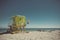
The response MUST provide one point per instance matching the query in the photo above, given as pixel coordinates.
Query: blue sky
(41, 13)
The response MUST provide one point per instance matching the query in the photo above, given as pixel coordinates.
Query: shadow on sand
(4, 33)
(10, 33)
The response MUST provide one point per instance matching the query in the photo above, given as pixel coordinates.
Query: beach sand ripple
(34, 35)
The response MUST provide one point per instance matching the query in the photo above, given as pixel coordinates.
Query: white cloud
(5, 25)
(43, 26)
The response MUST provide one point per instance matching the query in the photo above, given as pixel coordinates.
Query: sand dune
(34, 35)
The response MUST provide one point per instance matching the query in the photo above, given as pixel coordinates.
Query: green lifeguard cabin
(18, 23)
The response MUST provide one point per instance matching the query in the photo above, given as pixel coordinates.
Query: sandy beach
(32, 35)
